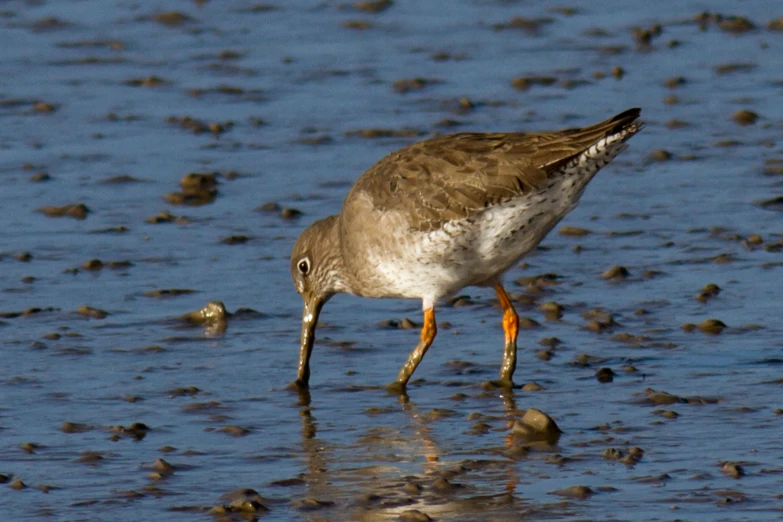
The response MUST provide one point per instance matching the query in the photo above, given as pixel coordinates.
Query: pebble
(373, 6)
(660, 155)
(605, 375)
(75, 427)
(732, 469)
(413, 84)
(172, 18)
(615, 272)
(93, 313)
(414, 515)
(745, 117)
(536, 426)
(74, 210)
(711, 326)
(525, 83)
(736, 25)
(579, 492)
(17, 485)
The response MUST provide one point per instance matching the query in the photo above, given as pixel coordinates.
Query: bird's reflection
(398, 466)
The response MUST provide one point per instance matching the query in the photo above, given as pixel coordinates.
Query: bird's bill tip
(312, 308)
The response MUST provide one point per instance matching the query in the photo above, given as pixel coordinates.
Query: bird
(446, 213)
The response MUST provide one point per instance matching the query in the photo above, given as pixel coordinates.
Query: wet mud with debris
(157, 166)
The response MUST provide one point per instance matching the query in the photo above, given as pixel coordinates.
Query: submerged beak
(312, 308)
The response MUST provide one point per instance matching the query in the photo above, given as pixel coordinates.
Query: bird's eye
(303, 266)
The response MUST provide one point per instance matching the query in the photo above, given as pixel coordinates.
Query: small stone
(711, 288)
(677, 124)
(169, 292)
(736, 25)
(550, 342)
(414, 515)
(165, 217)
(30, 447)
(711, 326)
(776, 24)
(268, 207)
(574, 231)
(730, 68)
(44, 107)
(732, 469)
(618, 72)
(526, 323)
(290, 213)
(525, 83)
(662, 398)
(660, 155)
(93, 264)
(90, 457)
(289, 482)
(93, 313)
(357, 24)
(545, 355)
(234, 431)
(407, 324)
(241, 494)
(708, 292)
(235, 240)
(310, 504)
(412, 488)
(601, 323)
(605, 375)
(553, 311)
(243, 505)
(172, 18)
(612, 454)
(163, 466)
(580, 492)
(413, 84)
(745, 117)
(75, 210)
(443, 485)
(40, 177)
(17, 485)
(74, 427)
(677, 81)
(536, 426)
(615, 272)
(373, 6)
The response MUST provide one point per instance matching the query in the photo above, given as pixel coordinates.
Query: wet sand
(157, 167)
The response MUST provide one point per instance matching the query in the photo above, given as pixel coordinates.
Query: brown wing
(456, 176)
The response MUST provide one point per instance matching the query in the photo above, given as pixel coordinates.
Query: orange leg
(511, 329)
(428, 332)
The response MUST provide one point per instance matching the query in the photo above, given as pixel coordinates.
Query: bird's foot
(297, 386)
(507, 384)
(396, 388)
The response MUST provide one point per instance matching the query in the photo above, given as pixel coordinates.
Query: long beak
(312, 309)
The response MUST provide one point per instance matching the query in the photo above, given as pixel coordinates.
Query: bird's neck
(339, 278)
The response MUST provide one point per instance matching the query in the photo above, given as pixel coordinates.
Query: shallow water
(306, 82)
